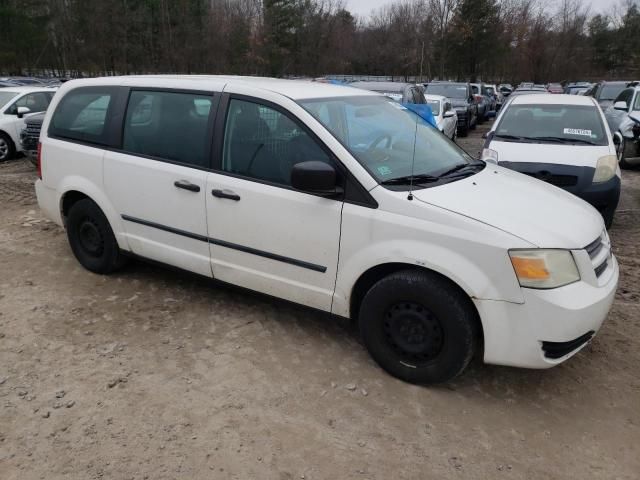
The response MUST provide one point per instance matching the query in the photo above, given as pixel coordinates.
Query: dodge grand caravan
(335, 198)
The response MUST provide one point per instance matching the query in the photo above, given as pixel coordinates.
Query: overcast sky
(364, 7)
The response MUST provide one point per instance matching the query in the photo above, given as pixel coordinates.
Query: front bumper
(538, 332)
(577, 180)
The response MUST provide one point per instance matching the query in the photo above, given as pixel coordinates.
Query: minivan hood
(541, 214)
(576, 155)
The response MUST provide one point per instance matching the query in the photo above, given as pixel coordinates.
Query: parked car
(30, 136)
(481, 101)
(462, 100)
(555, 88)
(562, 140)
(575, 88)
(621, 120)
(261, 182)
(407, 94)
(493, 91)
(444, 114)
(505, 89)
(15, 104)
(606, 92)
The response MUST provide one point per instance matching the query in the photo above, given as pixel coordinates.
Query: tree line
(510, 40)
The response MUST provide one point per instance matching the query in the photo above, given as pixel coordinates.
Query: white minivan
(335, 198)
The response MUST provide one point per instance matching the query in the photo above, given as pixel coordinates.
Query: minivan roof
(294, 89)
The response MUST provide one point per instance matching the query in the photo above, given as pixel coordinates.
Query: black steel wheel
(419, 326)
(91, 238)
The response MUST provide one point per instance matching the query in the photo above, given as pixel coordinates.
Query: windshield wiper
(509, 137)
(409, 179)
(460, 166)
(562, 140)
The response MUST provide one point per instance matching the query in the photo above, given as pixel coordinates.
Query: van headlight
(544, 268)
(605, 169)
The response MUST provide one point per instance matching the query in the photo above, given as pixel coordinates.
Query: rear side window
(83, 115)
(168, 125)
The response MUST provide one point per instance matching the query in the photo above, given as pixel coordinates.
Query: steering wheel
(379, 140)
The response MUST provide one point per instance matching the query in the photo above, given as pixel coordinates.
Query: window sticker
(577, 131)
(384, 170)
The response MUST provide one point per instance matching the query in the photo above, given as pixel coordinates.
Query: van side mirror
(620, 106)
(449, 114)
(22, 111)
(315, 177)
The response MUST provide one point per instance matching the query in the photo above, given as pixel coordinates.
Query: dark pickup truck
(30, 136)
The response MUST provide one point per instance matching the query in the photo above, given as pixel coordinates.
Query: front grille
(557, 180)
(599, 252)
(30, 136)
(555, 350)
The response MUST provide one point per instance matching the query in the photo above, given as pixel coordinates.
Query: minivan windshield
(451, 90)
(383, 136)
(562, 124)
(5, 97)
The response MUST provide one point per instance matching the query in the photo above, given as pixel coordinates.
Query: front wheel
(620, 154)
(418, 327)
(7, 148)
(91, 238)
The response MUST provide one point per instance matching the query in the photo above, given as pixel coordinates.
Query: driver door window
(263, 143)
(35, 102)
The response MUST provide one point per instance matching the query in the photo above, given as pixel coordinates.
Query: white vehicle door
(157, 180)
(13, 124)
(265, 235)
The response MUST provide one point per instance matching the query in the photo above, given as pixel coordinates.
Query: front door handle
(185, 185)
(225, 194)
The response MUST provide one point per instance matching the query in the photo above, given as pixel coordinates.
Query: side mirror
(22, 111)
(620, 106)
(315, 177)
(449, 114)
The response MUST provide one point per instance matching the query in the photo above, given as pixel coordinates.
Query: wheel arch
(378, 272)
(74, 193)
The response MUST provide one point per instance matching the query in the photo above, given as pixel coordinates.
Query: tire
(464, 129)
(91, 238)
(7, 148)
(418, 327)
(620, 154)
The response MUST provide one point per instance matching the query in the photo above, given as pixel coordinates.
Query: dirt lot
(153, 374)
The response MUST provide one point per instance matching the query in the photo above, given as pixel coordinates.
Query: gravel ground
(155, 374)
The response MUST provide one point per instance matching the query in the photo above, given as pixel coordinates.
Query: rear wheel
(418, 327)
(7, 148)
(91, 238)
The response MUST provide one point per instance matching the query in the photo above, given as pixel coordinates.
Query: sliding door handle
(225, 194)
(185, 185)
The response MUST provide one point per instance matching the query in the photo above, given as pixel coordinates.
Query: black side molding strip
(159, 226)
(234, 246)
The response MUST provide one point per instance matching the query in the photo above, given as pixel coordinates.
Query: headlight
(544, 268)
(489, 155)
(605, 168)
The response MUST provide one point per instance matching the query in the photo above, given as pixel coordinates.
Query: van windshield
(562, 124)
(383, 136)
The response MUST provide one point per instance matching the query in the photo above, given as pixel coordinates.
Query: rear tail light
(478, 98)
(39, 160)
